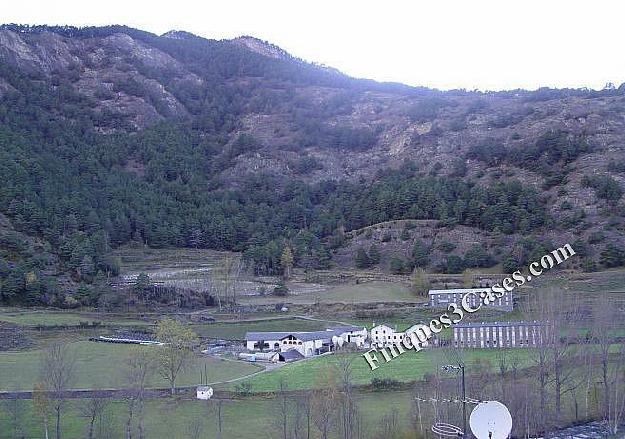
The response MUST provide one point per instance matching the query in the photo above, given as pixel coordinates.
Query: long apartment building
(442, 298)
(499, 334)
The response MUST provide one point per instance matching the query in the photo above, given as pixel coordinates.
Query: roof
(459, 290)
(316, 335)
(263, 336)
(497, 324)
(293, 354)
(346, 328)
(203, 388)
(384, 324)
(304, 336)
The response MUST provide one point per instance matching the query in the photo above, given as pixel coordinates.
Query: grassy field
(410, 366)
(29, 317)
(171, 419)
(574, 282)
(348, 293)
(100, 365)
(237, 330)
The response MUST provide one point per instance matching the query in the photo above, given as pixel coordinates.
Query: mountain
(112, 135)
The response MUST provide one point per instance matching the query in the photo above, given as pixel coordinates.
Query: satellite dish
(491, 420)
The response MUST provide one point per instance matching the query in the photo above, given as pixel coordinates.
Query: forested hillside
(110, 136)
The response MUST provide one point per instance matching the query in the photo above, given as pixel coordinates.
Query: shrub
(454, 265)
(281, 289)
(477, 257)
(374, 255)
(362, 259)
(446, 246)
(612, 256)
(420, 254)
(419, 282)
(596, 237)
(605, 187)
(398, 265)
(379, 384)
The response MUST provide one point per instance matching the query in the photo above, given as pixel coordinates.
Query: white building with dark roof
(440, 299)
(307, 344)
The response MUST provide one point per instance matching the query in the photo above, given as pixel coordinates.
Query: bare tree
(283, 409)
(92, 409)
(604, 318)
(14, 408)
(388, 427)
(503, 363)
(57, 372)
(301, 416)
(349, 410)
(323, 402)
(41, 403)
(139, 369)
(563, 350)
(229, 272)
(194, 428)
(543, 308)
(219, 418)
(616, 398)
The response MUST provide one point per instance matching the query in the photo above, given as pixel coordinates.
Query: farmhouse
(442, 298)
(499, 334)
(385, 336)
(351, 334)
(307, 344)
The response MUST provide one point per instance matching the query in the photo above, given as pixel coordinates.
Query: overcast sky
(489, 45)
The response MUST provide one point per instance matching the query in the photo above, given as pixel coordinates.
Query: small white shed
(204, 392)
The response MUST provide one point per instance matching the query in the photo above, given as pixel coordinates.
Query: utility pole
(460, 367)
(464, 403)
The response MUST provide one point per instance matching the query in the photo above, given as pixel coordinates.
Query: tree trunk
(58, 422)
(219, 420)
(129, 420)
(91, 423)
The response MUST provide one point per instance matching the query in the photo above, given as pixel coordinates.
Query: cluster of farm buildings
(295, 345)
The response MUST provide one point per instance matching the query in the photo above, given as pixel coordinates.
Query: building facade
(383, 336)
(442, 298)
(499, 335)
(351, 334)
(307, 344)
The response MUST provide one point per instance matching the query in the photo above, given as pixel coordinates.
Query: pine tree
(286, 261)
(419, 254)
(362, 259)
